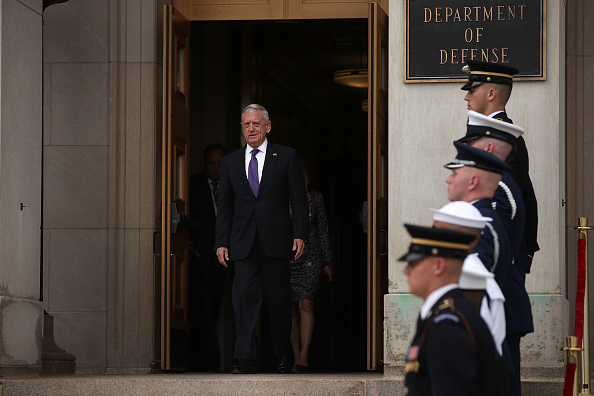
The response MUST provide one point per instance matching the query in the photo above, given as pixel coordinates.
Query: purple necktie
(253, 173)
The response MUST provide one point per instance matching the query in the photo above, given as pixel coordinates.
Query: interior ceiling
(303, 55)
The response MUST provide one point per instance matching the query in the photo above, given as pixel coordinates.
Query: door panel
(233, 10)
(377, 189)
(330, 9)
(230, 10)
(175, 232)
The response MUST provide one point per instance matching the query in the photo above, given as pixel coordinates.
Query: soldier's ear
(473, 182)
(439, 265)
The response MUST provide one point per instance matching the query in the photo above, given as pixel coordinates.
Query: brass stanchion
(583, 234)
(573, 350)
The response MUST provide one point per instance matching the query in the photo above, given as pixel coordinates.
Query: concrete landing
(364, 384)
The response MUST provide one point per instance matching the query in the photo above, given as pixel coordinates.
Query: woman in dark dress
(305, 278)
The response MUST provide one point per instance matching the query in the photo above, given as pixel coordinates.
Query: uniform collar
(433, 298)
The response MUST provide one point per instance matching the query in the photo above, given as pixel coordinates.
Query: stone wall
(20, 186)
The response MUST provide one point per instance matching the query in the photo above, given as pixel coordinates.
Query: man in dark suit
(452, 352)
(207, 276)
(489, 88)
(255, 231)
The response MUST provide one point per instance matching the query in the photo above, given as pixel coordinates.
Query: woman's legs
(306, 311)
(295, 334)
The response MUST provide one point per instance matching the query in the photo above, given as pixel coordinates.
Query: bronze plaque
(440, 36)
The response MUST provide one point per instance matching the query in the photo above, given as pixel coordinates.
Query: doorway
(288, 67)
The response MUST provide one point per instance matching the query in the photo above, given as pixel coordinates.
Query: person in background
(207, 276)
(305, 277)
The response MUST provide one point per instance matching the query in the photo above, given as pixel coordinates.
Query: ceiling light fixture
(351, 77)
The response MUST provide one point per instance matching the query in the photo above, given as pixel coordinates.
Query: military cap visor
(482, 72)
(476, 158)
(480, 125)
(436, 242)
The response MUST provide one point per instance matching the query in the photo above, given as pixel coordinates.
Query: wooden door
(377, 185)
(251, 10)
(175, 232)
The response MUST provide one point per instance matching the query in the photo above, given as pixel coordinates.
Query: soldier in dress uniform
(452, 352)
(498, 137)
(464, 217)
(489, 87)
(474, 178)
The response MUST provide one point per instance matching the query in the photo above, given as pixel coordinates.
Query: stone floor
(364, 384)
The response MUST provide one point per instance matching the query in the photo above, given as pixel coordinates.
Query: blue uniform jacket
(509, 204)
(493, 246)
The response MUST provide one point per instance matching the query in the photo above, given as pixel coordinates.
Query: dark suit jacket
(241, 214)
(203, 216)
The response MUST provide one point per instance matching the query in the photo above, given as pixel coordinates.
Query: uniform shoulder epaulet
(446, 311)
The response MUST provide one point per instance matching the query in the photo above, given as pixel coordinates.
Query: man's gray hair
(255, 107)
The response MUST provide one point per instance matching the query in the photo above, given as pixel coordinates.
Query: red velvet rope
(569, 377)
(581, 290)
(579, 313)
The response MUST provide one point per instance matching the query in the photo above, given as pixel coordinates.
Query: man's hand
(223, 256)
(298, 247)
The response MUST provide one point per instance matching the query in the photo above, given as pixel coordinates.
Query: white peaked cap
(461, 213)
(474, 274)
(481, 120)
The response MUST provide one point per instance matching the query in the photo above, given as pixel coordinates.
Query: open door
(377, 185)
(174, 196)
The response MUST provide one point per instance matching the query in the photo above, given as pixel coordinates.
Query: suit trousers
(207, 287)
(259, 277)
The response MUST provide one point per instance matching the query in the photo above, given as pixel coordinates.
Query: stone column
(135, 123)
(20, 186)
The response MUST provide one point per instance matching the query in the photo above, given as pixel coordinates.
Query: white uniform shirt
(494, 315)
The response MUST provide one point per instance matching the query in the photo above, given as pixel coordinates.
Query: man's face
(254, 128)
(418, 275)
(477, 98)
(212, 164)
(458, 182)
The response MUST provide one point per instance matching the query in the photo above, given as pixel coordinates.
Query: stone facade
(20, 186)
(98, 77)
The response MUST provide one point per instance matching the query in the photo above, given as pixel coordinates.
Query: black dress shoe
(245, 366)
(284, 365)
